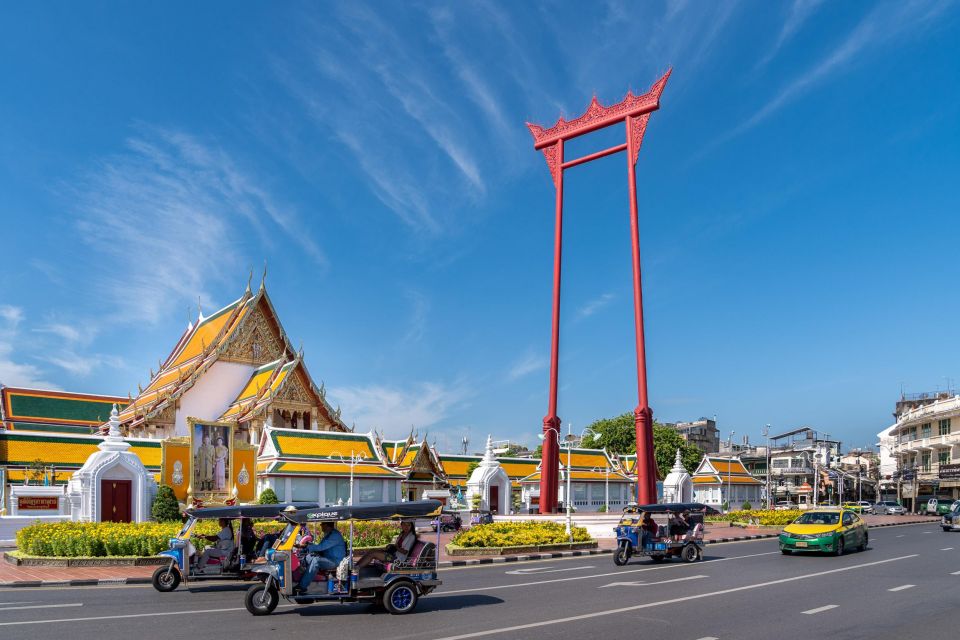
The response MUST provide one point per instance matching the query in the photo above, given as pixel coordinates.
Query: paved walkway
(12, 575)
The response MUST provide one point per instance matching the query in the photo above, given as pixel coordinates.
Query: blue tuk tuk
(662, 543)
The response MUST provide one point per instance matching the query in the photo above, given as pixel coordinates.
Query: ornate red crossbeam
(635, 111)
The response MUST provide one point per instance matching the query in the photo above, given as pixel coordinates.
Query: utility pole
(766, 434)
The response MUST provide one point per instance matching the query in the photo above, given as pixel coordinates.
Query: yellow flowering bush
(518, 534)
(762, 516)
(99, 539)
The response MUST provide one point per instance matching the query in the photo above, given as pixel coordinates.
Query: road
(905, 585)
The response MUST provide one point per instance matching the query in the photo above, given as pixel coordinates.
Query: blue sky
(798, 196)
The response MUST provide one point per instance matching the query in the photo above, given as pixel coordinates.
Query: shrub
(475, 501)
(517, 534)
(761, 516)
(165, 506)
(268, 496)
(746, 506)
(602, 509)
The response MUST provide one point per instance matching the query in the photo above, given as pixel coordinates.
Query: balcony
(792, 471)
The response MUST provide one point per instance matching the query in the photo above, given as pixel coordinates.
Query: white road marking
(42, 606)
(955, 573)
(902, 587)
(133, 615)
(539, 570)
(649, 584)
(900, 536)
(598, 575)
(708, 638)
(24, 602)
(810, 612)
(648, 605)
(926, 532)
(947, 549)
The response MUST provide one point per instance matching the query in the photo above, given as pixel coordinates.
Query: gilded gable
(257, 342)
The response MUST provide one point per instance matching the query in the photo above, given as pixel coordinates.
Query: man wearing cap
(326, 555)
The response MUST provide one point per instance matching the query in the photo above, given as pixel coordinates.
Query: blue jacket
(333, 547)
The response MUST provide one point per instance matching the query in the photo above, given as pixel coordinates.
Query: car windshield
(818, 518)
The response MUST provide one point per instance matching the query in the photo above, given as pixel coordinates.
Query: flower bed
(762, 517)
(104, 539)
(518, 534)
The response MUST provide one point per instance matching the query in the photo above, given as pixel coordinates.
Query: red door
(494, 499)
(115, 500)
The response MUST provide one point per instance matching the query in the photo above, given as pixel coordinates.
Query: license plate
(801, 543)
(660, 546)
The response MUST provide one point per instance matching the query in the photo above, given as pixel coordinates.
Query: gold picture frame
(211, 460)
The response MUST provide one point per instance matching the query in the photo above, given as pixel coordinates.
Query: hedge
(761, 516)
(100, 539)
(518, 534)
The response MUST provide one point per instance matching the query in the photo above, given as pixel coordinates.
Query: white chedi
(491, 482)
(113, 461)
(678, 485)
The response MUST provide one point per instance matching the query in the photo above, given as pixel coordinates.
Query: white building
(725, 480)
(926, 445)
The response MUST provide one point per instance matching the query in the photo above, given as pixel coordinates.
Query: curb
(85, 582)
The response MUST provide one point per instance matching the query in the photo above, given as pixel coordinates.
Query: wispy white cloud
(419, 309)
(82, 365)
(13, 373)
(595, 305)
(527, 364)
(164, 217)
(394, 410)
(886, 23)
(800, 11)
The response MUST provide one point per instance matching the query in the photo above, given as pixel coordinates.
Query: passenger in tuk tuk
(249, 541)
(650, 529)
(398, 551)
(680, 525)
(223, 545)
(326, 554)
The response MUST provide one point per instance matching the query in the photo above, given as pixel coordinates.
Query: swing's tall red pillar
(635, 112)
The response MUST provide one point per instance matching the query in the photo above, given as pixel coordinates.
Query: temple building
(230, 412)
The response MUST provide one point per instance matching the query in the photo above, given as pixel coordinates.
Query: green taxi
(825, 530)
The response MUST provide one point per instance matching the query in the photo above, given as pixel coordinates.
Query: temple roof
(297, 452)
(455, 467)
(218, 337)
(54, 411)
(722, 470)
(21, 449)
(583, 475)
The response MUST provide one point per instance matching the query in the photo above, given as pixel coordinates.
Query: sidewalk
(14, 576)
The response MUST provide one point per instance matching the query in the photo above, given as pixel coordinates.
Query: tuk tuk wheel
(689, 553)
(400, 598)
(166, 579)
(260, 600)
(622, 555)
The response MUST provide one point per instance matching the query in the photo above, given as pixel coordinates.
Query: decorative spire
(249, 280)
(263, 278)
(488, 454)
(114, 440)
(678, 465)
(199, 309)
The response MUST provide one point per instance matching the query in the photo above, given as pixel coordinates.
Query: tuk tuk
(396, 586)
(661, 544)
(235, 565)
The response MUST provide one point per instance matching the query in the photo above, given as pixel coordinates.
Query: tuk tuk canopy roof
(672, 507)
(248, 510)
(370, 511)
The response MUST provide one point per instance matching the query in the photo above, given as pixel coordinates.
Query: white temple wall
(212, 394)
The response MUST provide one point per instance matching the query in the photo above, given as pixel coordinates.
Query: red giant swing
(635, 112)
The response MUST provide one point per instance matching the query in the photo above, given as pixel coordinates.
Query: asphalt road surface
(905, 585)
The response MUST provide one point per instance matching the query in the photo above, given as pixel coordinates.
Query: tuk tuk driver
(223, 546)
(649, 528)
(326, 554)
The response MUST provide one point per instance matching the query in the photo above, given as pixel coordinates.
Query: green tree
(471, 468)
(617, 435)
(268, 496)
(165, 506)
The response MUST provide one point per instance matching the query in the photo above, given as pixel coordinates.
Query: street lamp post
(556, 434)
(730, 464)
(606, 487)
(766, 434)
(354, 459)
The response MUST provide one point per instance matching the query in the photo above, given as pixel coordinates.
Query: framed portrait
(211, 458)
